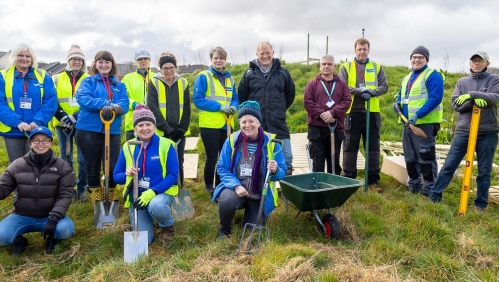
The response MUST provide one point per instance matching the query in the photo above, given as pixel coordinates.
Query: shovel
(135, 242)
(228, 120)
(416, 130)
(106, 212)
(470, 153)
(182, 207)
(259, 220)
(366, 146)
(333, 152)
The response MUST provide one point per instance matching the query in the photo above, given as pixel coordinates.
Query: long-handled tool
(416, 130)
(228, 121)
(470, 154)
(135, 242)
(333, 152)
(258, 226)
(182, 207)
(68, 136)
(106, 212)
(366, 146)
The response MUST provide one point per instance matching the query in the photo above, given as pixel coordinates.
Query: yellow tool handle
(470, 154)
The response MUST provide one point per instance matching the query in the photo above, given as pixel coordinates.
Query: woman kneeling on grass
(45, 190)
(157, 172)
(242, 167)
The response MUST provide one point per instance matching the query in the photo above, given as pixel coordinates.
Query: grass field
(394, 236)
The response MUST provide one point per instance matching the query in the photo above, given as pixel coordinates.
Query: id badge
(406, 101)
(25, 103)
(144, 183)
(362, 85)
(246, 170)
(73, 103)
(330, 103)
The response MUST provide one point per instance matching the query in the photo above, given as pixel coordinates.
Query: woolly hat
(40, 130)
(250, 108)
(481, 54)
(421, 50)
(142, 54)
(76, 52)
(167, 59)
(142, 113)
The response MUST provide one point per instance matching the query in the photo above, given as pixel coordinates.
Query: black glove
(366, 95)
(118, 110)
(176, 135)
(107, 112)
(49, 229)
(68, 122)
(372, 92)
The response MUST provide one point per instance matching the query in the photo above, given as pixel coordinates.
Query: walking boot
(166, 235)
(19, 245)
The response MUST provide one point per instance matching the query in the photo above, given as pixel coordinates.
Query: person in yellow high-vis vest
(169, 100)
(216, 98)
(136, 85)
(66, 116)
(367, 81)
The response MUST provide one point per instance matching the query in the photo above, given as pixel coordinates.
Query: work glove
(372, 92)
(233, 110)
(413, 119)
(68, 122)
(107, 112)
(463, 98)
(225, 109)
(366, 95)
(49, 229)
(176, 134)
(144, 199)
(481, 103)
(118, 110)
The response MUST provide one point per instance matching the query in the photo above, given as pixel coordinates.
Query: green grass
(394, 236)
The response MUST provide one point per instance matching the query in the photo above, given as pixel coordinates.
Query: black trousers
(213, 140)
(320, 148)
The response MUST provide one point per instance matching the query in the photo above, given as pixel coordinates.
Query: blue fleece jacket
(42, 109)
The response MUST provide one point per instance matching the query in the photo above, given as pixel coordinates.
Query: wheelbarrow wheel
(332, 226)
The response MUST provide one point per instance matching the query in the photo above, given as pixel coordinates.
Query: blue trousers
(14, 225)
(486, 145)
(81, 181)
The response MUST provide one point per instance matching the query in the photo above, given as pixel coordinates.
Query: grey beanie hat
(421, 50)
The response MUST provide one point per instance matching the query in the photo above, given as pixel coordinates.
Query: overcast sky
(453, 29)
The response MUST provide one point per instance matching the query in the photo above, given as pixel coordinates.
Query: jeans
(14, 225)
(486, 145)
(355, 128)
(81, 181)
(320, 148)
(288, 154)
(229, 202)
(16, 148)
(92, 147)
(213, 140)
(158, 209)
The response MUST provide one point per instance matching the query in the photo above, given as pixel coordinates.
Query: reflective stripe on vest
(371, 82)
(136, 87)
(418, 97)
(164, 147)
(270, 149)
(216, 92)
(182, 84)
(8, 76)
(64, 88)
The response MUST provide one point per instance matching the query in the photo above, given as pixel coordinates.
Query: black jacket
(275, 93)
(41, 193)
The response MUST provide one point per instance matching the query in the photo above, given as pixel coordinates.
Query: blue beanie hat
(42, 130)
(250, 108)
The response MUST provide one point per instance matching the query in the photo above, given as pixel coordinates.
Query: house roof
(192, 68)
(2, 54)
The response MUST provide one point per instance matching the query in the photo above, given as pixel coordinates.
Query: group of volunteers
(156, 108)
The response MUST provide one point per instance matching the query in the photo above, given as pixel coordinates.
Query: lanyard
(332, 89)
(73, 84)
(409, 85)
(146, 80)
(144, 164)
(25, 85)
(108, 88)
(360, 73)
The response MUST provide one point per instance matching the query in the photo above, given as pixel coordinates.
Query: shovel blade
(105, 213)
(136, 245)
(182, 207)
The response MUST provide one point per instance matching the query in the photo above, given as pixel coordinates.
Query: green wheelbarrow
(318, 191)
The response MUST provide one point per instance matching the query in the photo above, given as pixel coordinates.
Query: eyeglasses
(76, 60)
(44, 141)
(168, 69)
(418, 58)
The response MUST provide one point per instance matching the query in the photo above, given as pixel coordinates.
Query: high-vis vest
(216, 92)
(164, 147)
(136, 85)
(371, 82)
(418, 96)
(182, 84)
(64, 89)
(8, 76)
(270, 149)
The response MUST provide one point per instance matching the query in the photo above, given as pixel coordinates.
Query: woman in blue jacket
(157, 172)
(216, 98)
(27, 100)
(246, 156)
(101, 91)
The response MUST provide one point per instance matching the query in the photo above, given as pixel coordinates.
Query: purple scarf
(255, 177)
